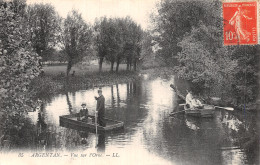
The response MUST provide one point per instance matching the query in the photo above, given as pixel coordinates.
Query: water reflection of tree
(132, 110)
(20, 135)
(68, 102)
(132, 102)
(27, 135)
(70, 139)
(118, 96)
(175, 139)
(134, 92)
(135, 97)
(41, 126)
(113, 101)
(244, 133)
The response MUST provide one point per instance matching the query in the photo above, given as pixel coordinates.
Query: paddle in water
(226, 108)
(174, 113)
(96, 127)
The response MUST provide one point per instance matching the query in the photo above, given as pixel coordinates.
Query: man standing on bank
(100, 108)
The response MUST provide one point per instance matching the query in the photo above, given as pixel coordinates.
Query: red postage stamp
(240, 23)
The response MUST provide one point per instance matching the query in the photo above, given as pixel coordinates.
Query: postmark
(240, 23)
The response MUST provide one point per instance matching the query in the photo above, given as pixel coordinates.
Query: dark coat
(101, 105)
(101, 110)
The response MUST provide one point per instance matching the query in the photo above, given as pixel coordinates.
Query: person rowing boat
(192, 102)
(197, 102)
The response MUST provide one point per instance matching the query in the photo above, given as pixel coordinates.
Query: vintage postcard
(129, 82)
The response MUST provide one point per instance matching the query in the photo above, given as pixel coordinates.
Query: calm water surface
(150, 136)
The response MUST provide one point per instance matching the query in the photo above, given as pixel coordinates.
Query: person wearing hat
(192, 102)
(83, 113)
(100, 108)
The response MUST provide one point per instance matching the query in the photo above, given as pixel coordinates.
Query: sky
(138, 10)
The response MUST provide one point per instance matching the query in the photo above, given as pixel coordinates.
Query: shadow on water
(69, 102)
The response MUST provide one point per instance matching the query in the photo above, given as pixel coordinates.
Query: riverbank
(46, 85)
(78, 69)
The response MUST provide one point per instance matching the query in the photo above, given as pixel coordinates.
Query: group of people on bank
(100, 111)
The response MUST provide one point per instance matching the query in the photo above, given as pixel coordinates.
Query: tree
(147, 56)
(245, 86)
(76, 39)
(132, 42)
(137, 38)
(118, 39)
(113, 35)
(205, 62)
(44, 24)
(101, 40)
(175, 18)
(18, 61)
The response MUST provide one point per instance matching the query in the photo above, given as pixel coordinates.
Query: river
(150, 135)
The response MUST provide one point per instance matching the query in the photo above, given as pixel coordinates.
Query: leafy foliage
(117, 40)
(204, 62)
(147, 56)
(175, 18)
(246, 87)
(45, 28)
(77, 37)
(18, 61)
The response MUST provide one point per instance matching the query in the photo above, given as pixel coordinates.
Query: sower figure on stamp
(236, 20)
(100, 109)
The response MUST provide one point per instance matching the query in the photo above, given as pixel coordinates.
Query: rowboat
(71, 120)
(206, 111)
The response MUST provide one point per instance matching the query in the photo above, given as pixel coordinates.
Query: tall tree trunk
(127, 91)
(112, 66)
(100, 63)
(135, 65)
(71, 50)
(117, 64)
(69, 66)
(130, 65)
(112, 97)
(118, 96)
(127, 66)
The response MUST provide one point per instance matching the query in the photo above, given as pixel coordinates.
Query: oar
(226, 108)
(96, 127)
(179, 112)
(177, 92)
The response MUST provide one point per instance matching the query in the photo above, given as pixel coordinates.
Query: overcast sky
(138, 10)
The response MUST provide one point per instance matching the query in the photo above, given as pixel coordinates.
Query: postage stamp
(240, 23)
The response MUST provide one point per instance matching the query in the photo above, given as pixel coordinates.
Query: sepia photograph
(129, 82)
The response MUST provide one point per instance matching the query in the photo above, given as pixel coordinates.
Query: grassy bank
(54, 80)
(80, 70)
(96, 79)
